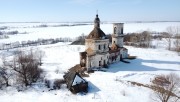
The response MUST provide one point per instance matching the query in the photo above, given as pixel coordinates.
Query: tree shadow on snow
(138, 65)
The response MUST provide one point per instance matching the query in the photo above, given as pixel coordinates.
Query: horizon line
(86, 21)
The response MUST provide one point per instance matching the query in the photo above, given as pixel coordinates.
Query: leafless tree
(166, 88)
(26, 67)
(177, 39)
(168, 36)
(147, 38)
(5, 72)
(5, 75)
(39, 55)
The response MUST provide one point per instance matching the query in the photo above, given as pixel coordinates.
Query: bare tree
(166, 88)
(5, 72)
(177, 45)
(168, 36)
(173, 35)
(177, 39)
(26, 67)
(147, 38)
(39, 55)
(5, 75)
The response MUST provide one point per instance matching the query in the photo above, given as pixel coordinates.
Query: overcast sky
(85, 10)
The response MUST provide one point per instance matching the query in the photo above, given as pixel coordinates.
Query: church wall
(125, 54)
(99, 60)
(118, 41)
(114, 57)
(121, 43)
(118, 28)
(117, 36)
(82, 59)
(97, 45)
(89, 43)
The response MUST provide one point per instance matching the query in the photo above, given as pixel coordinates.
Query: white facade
(117, 36)
(96, 61)
(100, 53)
(98, 46)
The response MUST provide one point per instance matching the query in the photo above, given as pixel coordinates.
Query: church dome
(97, 33)
(96, 19)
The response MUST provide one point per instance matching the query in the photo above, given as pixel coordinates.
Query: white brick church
(99, 51)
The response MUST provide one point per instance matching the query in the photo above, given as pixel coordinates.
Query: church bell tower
(118, 36)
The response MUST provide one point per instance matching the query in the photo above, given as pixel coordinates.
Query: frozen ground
(103, 86)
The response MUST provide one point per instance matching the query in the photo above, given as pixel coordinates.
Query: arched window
(99, 47)
(121, 30)
(99, 63)
(104, 46)
(115, 30)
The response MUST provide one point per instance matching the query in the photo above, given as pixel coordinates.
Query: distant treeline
(7, 46)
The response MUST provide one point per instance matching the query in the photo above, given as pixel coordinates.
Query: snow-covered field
(103, 86)
(34, 32)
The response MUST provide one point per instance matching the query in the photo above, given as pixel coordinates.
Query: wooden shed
(75, 83)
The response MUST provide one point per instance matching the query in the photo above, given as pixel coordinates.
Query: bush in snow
(3, 28)
(57, 83)
(57, 71)
(12, 32)
(1, 82)
(1, 33)
(47, 83)
(123, 92)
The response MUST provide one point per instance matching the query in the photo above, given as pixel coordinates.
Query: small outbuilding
(75, 83)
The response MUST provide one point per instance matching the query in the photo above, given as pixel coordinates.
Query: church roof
(96, 33)
(69, 77)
